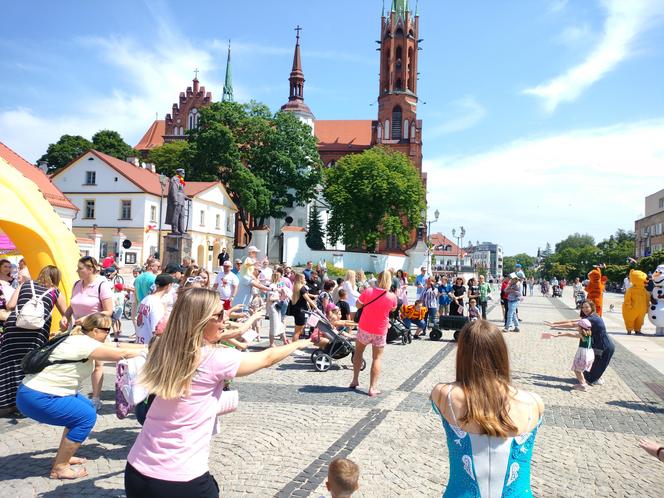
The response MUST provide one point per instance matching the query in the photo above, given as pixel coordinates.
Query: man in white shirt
(226, 284)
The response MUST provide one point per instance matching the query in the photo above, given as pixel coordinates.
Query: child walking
(473, 310)
(584, 357)
(119, 298)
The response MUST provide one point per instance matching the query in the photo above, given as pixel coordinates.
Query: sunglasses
(218, 316)
(191, 280)
(104, 329)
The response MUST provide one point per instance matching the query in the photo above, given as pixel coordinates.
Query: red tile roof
(195, 188)
(333, 134)
(438, 239)
(154, 137)
(293, 229)
(143, 178)
(51, 193)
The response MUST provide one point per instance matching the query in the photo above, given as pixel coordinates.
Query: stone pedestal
(259, 238)
(176, 247)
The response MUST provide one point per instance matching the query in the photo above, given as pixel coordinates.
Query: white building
(118, 201)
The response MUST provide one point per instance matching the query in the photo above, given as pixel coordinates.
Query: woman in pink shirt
(376, 303)
(91, 294)
(187, 370)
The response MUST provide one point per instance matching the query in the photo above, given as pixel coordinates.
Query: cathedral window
(387, 129)
(411, 74)
(398, 85)
(193, 118)
(406, 128)
(396, 123)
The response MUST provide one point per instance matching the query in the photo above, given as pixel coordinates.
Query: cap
(584, 323)
(164, 279)
(227, 263)
(331, 307)
(513, 275)
(252, 249)
(119, 286)
(238, 261)
(179, 170)
(173, 268)
(518, 265)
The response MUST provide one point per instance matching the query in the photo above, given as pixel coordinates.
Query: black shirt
(599, 336)
(222, 257)
(345, 309)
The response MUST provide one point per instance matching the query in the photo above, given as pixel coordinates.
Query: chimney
(151, 167)
(43, 165)
(133, 160)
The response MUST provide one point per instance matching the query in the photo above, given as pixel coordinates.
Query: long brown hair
(49, 276)
(299, 283)
(483, 371)
(174, 358)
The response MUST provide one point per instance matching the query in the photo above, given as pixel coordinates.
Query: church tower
(295, 102)
(397, 125)
(227, 95)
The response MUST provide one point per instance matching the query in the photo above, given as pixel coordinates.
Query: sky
(540, 118)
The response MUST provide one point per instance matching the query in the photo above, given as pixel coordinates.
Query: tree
(315, 232)
(110, 142)
(64, 151)
(373, 195)
(171, 156)
(575, 241)
(267, 162)
(526, 261)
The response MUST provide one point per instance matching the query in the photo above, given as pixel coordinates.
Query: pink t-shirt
(375, 316)
(174, 443)
(85, 301)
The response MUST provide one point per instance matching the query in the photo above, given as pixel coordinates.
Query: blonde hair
(343, 477)
(361, 276)
(385, 280)
(173, 360)
(350, 277)
(90, 262)
(248, 267)
(49, 276)
(91, 322)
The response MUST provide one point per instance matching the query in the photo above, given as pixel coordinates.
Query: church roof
(346, 134)
(195, 188)
(154, 137)
(51, 193)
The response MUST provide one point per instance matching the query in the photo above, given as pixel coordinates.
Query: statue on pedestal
(176, 207)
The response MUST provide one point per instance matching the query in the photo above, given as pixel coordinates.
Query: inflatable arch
(36, 230)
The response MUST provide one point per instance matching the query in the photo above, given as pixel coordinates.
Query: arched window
(380, 132)
(412, 130)
(396, 123)
(410, 82)
(386, 130)
(398, 56)
(398, 85)
(399, 31)
(406, 129)
(193, 118)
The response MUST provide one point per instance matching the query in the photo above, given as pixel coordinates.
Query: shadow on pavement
(312, 389)
(85, 487)
(635, 405)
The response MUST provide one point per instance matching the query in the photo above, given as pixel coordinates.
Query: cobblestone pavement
(292, 421)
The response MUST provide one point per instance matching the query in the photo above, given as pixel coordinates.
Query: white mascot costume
(656, 312)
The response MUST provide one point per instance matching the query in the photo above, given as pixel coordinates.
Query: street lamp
(436, 214)
(459, 239)
(163, 180)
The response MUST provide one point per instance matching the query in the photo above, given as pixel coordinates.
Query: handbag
(358, 313)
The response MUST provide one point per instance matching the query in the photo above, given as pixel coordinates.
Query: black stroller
(557, 291)
(398, 332)
(338, 347)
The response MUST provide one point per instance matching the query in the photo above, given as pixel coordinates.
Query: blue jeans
(75, 412)
(511, 314)
(420, 324)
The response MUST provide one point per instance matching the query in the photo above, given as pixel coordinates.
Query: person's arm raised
(253, 362)
(105, 353)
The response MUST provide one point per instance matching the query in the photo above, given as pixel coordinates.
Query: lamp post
(163, 180)
(436, 214)
(459, 239)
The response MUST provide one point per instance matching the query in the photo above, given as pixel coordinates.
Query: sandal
(69, 473)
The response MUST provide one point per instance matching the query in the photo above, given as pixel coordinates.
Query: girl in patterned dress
(585, 356)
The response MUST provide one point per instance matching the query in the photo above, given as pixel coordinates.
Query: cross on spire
(196, 73)
(298, 29)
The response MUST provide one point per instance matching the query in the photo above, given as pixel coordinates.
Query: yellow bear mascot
(637, 300)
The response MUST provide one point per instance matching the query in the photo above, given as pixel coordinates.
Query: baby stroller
(579, 298)
(398, 331)
(338, 347)
(557, 291)
(545, 287)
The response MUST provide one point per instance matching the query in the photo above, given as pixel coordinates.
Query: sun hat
(584, 323)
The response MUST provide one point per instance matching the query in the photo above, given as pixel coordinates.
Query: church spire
(227, 95)
(295, 102)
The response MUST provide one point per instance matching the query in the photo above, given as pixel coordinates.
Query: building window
(229, 223)
(153, 214)
(125, 210)
(386, 130)
(89, 209)
(90, 177)
(130, 258)
(202, 220)
(661, 203)
(217, 222)
(396, 123)
(406, 128)
(193, 119)
(392, 242)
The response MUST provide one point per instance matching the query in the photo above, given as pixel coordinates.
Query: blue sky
(542, 118)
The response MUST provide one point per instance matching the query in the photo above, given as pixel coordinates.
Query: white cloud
(541, 189)
(463, 113)
(575, 36)
(625, 21)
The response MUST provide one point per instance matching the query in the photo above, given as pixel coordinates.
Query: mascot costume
(656, 312)
(636, 303)
(595, 288)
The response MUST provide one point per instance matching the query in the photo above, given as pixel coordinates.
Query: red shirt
(108, 261)
(375, 316)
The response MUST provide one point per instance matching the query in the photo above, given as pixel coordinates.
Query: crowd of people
(194, 330)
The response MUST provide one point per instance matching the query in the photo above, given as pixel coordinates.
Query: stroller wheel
(323, 362)
(364, 365)
(314, 355)
(436, 335)
(404, 339)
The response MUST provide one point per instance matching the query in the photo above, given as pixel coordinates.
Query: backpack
(38, 359)
(128, 392)
(31, 314)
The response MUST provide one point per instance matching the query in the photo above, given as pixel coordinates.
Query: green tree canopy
(110, 142)
(526, 261)
(64, 151)
(171, 156)
(267, 162)
(315, 232)
(373, 195)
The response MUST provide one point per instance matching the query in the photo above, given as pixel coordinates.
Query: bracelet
(659, 451)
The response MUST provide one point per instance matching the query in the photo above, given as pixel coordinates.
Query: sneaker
(517, 329)
(598, 382)
(96, 402)
(506, 330)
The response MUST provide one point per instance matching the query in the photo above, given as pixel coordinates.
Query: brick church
(396, 125)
